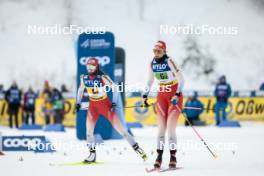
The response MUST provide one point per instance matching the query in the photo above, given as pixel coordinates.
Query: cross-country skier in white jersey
(169, 99)
(100, 104)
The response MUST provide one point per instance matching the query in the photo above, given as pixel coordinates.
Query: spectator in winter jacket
(193, 114)
(64, 89)
(57, 105)
(222, 93)
(47, 105)
(13, 98)
(29, 105)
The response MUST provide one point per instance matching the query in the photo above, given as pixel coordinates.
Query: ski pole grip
(145, 97)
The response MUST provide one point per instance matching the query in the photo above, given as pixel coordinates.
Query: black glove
(175, 99)
(77, 107)
(145, 100)
(113, 107)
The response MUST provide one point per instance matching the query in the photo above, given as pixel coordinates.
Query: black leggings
(13, 112)
(30, 113)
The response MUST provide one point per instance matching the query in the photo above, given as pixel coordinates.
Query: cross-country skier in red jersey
(99, 104)
(169, 99)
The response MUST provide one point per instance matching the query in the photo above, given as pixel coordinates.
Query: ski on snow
(149, 170)
(75, 163)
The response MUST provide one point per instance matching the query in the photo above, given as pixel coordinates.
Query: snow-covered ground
(240, 153)
(136, 26)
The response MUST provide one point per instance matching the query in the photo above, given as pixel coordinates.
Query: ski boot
(92, 156)
(173, 160)
(140, 151)
(158, 161)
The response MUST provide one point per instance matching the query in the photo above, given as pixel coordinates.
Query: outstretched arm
(178, 73)
(80, 91)
(150, 81)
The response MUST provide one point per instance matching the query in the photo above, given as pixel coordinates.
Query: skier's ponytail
(100, 71)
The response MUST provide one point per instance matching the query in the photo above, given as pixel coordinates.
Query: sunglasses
(90, 67)
(157, 51)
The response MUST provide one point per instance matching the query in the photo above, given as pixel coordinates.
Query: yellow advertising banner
(4, 119)
(239, 108)
(68, 120)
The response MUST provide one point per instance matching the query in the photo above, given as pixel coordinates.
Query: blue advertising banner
(102, 47)
(21, 143)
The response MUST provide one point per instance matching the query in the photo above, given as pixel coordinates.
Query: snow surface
(136, 27)
(242, 155)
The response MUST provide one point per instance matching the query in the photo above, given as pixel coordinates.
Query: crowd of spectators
(18, 100)
(52, 106)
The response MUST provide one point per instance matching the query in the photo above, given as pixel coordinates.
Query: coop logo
(16, 142)
(21, 143)
(96, 44)
(103, 60)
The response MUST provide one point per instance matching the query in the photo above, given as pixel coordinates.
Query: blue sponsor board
(22, 143)
(102, 47)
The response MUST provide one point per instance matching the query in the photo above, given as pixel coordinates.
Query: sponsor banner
(21, 143)
(4, 119)
(239, 108)
(69, 114)
(247, 108)
(101, 47)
